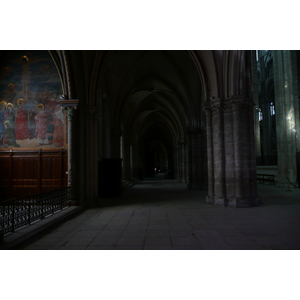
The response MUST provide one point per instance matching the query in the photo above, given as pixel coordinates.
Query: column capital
(69, 106)
(212, 103)
(239, 102)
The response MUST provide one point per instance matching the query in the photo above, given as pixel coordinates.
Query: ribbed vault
(153, 96)
(150, 87)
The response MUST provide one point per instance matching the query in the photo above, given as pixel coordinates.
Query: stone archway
(174, 87)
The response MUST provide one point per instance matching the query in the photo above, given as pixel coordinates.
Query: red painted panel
(27, 173)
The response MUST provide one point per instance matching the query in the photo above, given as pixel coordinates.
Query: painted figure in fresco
(41, 124)
(50, 128)
(51, 101)
(25, 78)
(10, 92)
(9, 124)
(58, 120)
(2, 128)
(31, 122)
(50, 104)
(32, 76)
(21, 123)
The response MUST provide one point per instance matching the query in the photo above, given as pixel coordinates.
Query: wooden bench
(265, 178)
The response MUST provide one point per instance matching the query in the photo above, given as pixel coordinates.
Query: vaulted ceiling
(152, 89)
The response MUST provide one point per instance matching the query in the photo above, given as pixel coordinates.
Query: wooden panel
(25, 173)
(4, 175)
(65, 169)
(50, 172)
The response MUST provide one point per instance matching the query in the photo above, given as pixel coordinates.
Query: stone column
(287, 114)
(70, 145)
(127, 161)
(182, 161)
(177, 162)
(244, 153)
(203, 153)
(188, 158)
(69, 106)
(238, 142)
(191, 158)
(256, 109)
(218, 152)
(91, 116)
(197, 170)
(210, 166)
(135, 162)
(230, 152)
(115, 141)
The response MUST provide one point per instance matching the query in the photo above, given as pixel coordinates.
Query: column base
(216, 200)
(244, 202)
(220, 201)
(210, 200)
(237, 202)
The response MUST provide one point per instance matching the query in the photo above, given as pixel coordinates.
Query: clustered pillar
(196, 158)
(287, 115)
(230, 152)
(91, 155)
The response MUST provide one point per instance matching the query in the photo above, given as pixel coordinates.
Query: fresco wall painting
(30, 114)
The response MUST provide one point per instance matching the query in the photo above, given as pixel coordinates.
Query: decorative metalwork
(17, 213)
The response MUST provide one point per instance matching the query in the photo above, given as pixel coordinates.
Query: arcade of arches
(210, 119)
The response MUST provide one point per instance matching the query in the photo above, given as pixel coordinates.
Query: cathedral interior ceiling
(146, 87)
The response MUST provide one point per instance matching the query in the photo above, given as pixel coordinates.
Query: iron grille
(17, 213)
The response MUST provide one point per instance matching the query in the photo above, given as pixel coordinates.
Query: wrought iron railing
(21, 212)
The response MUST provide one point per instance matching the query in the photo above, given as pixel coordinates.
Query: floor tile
(79, 241)
(129, 247)
(107, 241)
(187, 247)
(178, 219)
(136, 227)
(86, 234)
(158, 247)
(52, 240)
(213, 243)
(134, 233)
(41, 247)
(110, 234)
(229, 232)
(129, 241)
(180, 233)
(114, 227)
(72, 247)
(93, 227)
(158, 241)
(239, 240)
(206, 232)
(158, 222)
(100, 247)
(158, 227)
(158, 233)
(189, 240)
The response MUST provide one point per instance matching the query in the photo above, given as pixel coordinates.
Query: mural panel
(30, 115)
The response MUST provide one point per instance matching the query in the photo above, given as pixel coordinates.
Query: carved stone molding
(217, 105)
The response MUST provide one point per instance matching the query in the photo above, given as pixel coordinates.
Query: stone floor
(164, 215)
